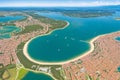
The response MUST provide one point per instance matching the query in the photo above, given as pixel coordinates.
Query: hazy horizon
(56, 3)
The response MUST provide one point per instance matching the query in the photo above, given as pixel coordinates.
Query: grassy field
(54, 23)
(22, 73)
(30, 28)
(10, 73)
(5, 71)
(57, 73)
(22, 58)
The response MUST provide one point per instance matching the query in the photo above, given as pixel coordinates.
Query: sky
(57, 3)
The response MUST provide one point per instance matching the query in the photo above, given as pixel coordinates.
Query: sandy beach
(63, 62)
(107, 53)
(55, 63)
(103, 61)
(40, 62)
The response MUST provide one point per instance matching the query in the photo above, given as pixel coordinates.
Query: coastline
(28, 57)
(25, 52)
(54, 63)
(35, 72)
(42, 73)
(91, 42)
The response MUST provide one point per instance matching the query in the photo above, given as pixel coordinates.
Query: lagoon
(118, 38)
(36, 76)
(72, 41)
(7, 30)
(10, 18)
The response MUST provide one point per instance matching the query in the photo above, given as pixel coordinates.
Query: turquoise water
(11, 18)
(6, 31)
(68, 43)
(118, 38)
(118, 69)
(36, 76)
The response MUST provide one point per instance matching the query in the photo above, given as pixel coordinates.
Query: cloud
(62, 4)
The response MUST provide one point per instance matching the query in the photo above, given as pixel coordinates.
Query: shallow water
(118, 38)
(36, 76)
(6, 31)
(10, 18)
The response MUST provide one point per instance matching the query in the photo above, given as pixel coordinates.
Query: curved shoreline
(35, 72)
(91, 42)
(25, 52)
(54, 63)
(40, 73)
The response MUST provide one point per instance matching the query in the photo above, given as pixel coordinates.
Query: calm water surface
(118, 38)
(68, 43)
(6, 31)
(10, 18)
(36, 76)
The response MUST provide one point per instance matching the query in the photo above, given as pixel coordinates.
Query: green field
(30, 28)
(22, 73)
